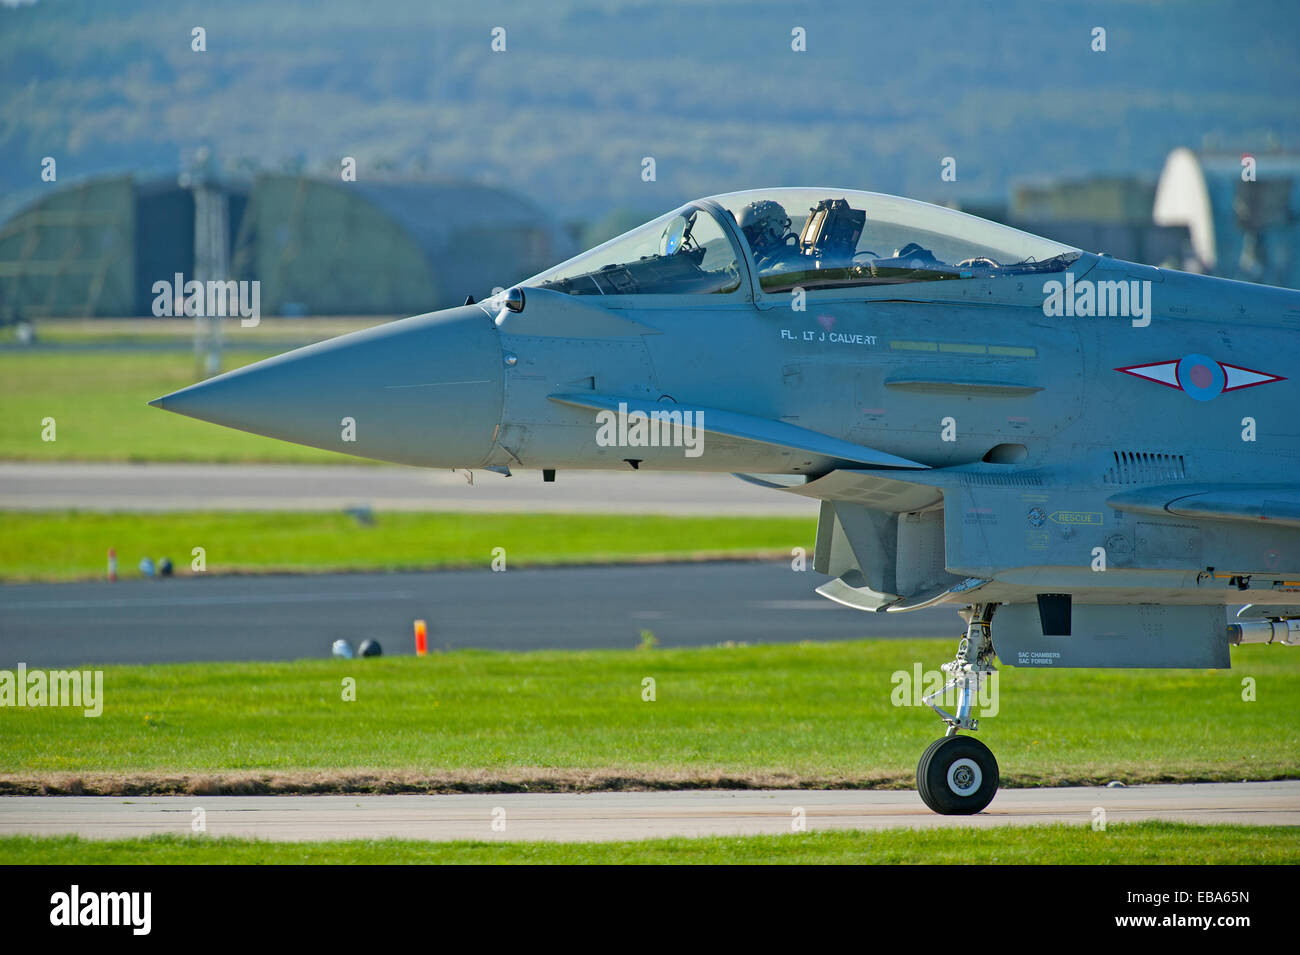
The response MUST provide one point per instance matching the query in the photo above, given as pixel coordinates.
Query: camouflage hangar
(318, 246)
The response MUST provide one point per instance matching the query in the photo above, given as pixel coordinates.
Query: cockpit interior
(802, 238)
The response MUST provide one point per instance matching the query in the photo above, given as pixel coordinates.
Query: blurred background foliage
(585, 90)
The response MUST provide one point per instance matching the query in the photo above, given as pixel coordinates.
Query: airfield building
(318, 246)
(1242, 211)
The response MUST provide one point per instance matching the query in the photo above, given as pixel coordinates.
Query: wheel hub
(964, 777)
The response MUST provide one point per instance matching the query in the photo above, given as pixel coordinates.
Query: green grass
(153, 331)
(785, 714)
(99, 401)
(1120, 844)
(69, 545)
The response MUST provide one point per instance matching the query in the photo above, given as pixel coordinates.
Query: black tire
(957, 776)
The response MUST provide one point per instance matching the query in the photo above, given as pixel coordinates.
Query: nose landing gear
(957, 775)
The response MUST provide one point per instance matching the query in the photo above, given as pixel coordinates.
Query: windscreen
(685, 252)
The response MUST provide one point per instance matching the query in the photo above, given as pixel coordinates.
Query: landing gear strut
(958, 775)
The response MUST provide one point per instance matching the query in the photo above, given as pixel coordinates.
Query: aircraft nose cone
(426, 391)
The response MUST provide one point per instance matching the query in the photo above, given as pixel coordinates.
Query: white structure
(1243, 216)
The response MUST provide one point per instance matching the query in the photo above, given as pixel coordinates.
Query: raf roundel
(1200, 376)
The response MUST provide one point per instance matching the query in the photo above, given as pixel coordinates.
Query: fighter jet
(1096, 453)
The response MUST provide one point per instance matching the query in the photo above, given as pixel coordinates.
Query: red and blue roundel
(1200, 376)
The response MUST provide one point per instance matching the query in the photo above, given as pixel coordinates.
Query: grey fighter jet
(1101, 452)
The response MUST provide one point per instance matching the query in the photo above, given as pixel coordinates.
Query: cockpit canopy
(805, 238)
(683, 252)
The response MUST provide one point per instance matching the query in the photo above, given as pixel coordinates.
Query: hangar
(318, 246)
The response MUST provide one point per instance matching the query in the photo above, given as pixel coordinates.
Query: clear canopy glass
(826, 238)
(684, 252)
(806, 238)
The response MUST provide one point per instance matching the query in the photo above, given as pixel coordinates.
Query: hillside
(585, 90)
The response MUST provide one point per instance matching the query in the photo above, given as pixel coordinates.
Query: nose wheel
(957, 775)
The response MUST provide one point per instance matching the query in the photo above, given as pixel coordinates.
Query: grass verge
(1147, 843)
(786, 715)
(69, 545)
(153, 331)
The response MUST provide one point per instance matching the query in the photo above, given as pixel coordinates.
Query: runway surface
(290, 617)
(608, 816)
(260, 487)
